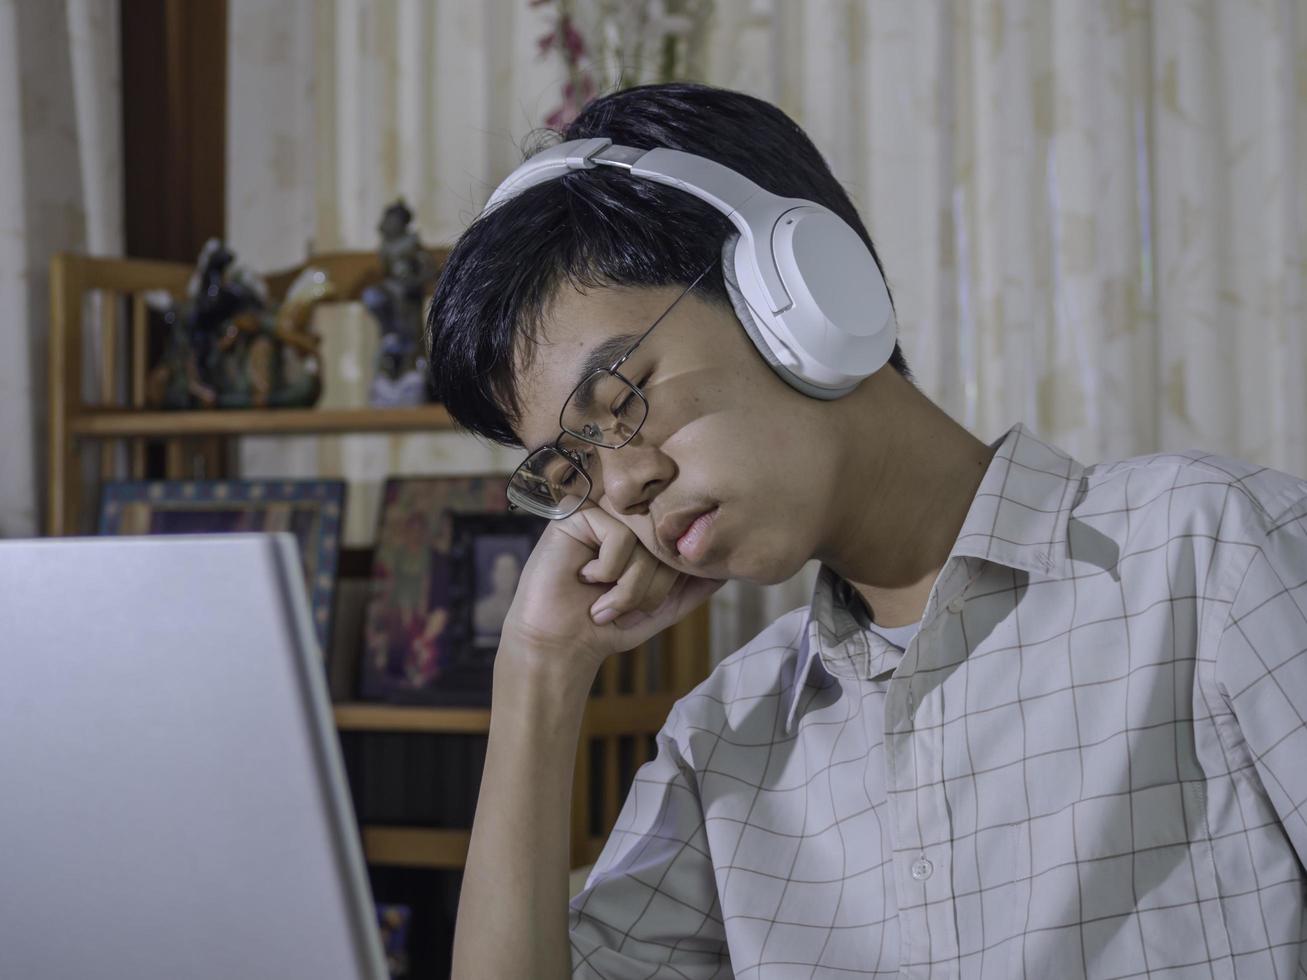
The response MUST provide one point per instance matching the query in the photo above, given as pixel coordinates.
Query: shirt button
(955, 605)
(921, 869)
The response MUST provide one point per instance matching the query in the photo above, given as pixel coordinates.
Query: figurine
(227, 349)
(396, 302)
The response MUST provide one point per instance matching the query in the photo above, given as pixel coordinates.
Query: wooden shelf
(614, 715)
(622, 714)
(416, 847)
(100, 423)
(401, 718)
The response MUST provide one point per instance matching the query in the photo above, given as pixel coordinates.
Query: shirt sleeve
(649, 908)
(1262, 664)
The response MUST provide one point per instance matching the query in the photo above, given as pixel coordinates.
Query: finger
(661, 583)
(616, 544)
(687, 593)
(648, 590)
(630, 586)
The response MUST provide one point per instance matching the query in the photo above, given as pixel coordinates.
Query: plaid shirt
(1090, 761)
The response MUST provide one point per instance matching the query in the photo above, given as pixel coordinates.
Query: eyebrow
(601, 355)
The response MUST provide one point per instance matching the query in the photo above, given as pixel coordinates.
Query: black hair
(602, 228)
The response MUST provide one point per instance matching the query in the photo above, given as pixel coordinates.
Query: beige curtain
(1092, 213)
(60, 189)
(335, 108)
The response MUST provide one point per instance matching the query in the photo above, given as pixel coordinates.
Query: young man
(1040, 718)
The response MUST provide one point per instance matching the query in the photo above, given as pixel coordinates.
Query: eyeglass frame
(571, 456)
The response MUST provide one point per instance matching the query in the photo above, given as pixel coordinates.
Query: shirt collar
(1018, 518)
(1021, 509)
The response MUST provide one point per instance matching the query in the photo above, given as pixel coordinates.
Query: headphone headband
(742, 201)
(797, 274)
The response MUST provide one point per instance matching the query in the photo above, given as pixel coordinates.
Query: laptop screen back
(172, 801)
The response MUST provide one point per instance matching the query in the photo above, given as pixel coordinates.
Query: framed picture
(393, 922)
(309, 509)
(421, 642)
(487, 554)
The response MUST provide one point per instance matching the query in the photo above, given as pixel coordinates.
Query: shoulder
(744, 697)
(1198, 522)
(1194, 487)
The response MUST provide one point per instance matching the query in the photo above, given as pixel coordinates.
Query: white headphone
(803, 284)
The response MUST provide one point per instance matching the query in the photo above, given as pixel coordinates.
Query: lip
(671, 527)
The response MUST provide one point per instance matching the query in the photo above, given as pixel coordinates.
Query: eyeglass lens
(548, 483)
(604, 411)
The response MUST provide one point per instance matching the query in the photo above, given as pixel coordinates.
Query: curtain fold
(1091, 214)
(60, 189)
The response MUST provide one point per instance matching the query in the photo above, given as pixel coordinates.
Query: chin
(762, 568)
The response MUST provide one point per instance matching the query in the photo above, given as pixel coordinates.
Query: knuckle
(655, 598)
(615, 550)
(611, 550)
(656, 593)
(629, 590)
(652, 602)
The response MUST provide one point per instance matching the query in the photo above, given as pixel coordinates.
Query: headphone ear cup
(741, 306)
(760, 342)
(738, 301)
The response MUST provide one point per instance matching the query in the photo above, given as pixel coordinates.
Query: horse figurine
(226, 348)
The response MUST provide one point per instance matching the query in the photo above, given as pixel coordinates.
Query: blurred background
(1092, 215)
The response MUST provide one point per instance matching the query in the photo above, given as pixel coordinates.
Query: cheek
(751, 449)
(742, 433)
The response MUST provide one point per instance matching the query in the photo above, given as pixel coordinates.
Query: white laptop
(172, 799)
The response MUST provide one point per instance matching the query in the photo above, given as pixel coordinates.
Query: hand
(591, 589)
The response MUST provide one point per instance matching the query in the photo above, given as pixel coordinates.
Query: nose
(632, 476)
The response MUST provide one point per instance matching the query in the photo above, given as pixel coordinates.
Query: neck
(909, 477)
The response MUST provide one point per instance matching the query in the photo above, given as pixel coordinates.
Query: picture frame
(393, 922)
(416, 650)
(487, 555)
(311, 510)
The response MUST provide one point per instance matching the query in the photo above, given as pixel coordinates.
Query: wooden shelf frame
(101, 423)
(364, 717)
(123, 285)
(612, 715)
(415, 847)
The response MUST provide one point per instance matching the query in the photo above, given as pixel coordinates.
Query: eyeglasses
(605, 410)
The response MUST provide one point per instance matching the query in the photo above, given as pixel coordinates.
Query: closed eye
(628, 402)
